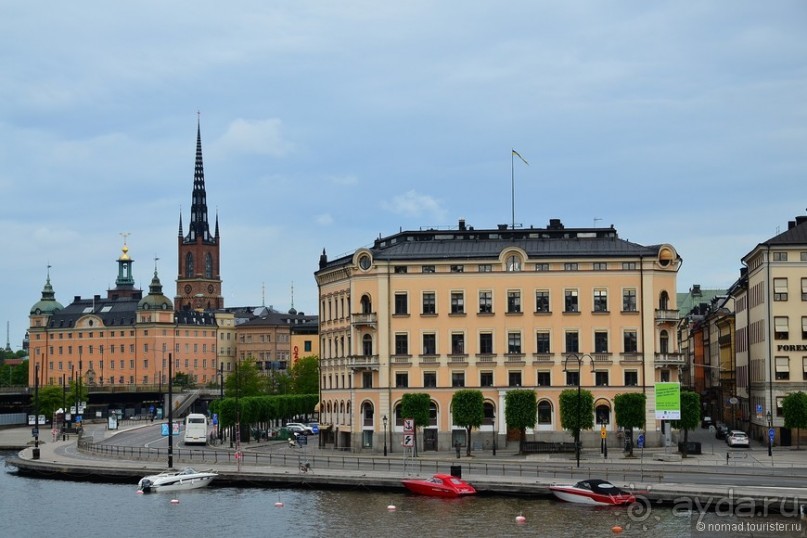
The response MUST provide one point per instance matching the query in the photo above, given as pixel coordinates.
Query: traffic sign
(408, 440)
(640, 441)
(771, 434)
(409, 425)
(603, 434)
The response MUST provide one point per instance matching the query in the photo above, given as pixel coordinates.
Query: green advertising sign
(668, 401)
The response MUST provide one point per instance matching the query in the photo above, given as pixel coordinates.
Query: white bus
(195, 429)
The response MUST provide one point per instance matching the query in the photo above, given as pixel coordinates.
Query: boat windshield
(188, 470)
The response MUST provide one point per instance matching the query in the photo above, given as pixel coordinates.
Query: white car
(738, 438)
(299, 428)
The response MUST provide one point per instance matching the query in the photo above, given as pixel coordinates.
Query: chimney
(462, 225)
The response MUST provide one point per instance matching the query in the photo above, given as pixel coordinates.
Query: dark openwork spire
(198, 226)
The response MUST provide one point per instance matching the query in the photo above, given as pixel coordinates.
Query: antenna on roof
(595, 221)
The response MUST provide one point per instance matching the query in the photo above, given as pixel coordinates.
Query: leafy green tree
(183, 380)
(50, 399)
(416, 405)
(468, 408)
(246, 380)
(14, 375)
(794, 408)
(629, 409)
(690, 415)
(520, 411)
(305, 375)
(576, 413)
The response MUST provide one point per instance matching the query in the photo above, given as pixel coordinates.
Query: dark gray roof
(119, 312)
(796, 233)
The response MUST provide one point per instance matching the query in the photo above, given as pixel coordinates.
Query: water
(38, 507)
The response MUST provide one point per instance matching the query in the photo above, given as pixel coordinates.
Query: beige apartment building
(771, 329)
(496, 309)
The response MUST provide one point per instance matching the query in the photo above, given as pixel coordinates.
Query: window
(544, 379)
(430, 379)
(367, 345)
(572, 342)
(367, 380)
(544, 412)
(486, 343)
(485, 302)
(542, 301)
(631, 378)
(600, 266)
(780, 256)
(514, 379)
(427, 269)
(804, 289)
(485, 268)
(457, 268)
(457, 343)
(400, 304)
(457, 379)
(457, 302)
(628, 266)
(803, 368)
(572, 378)
(430, 344)
(400, 269)
(600, 342)
(401, 380)
(542, 342)
(603, 414)
(570, 267)
(664, 376)
(780, 289)
(429, 303)
(571, 301)
(782, 368)
(629, 300)
(601, 300)
(514, 343)
(401, 344)
(542, 267)
(513, 302)
(630, 341)
(780, 328)
(803, 256)
(804, 328)
(601, 379)
(486, 379)
(513, 263)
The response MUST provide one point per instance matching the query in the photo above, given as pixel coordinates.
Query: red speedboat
(593, 491)
(439, 485)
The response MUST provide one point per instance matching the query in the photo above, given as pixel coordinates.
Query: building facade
(438, 310)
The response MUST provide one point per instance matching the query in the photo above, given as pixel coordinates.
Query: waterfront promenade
(657, 473)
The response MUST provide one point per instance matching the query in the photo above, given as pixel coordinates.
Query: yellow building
(437, 310)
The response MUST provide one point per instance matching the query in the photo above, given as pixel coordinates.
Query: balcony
(601, 359)
(667, 316)
(364, 320)
(665, 360)
(542, 358)
(363, 362)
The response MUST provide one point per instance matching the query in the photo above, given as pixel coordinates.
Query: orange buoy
(616, 529)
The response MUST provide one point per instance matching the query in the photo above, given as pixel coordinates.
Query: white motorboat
(593, 491)
(182, 480)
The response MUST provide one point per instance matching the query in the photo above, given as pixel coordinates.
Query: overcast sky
(326, 124)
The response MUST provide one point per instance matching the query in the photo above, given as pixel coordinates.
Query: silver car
(737, 438)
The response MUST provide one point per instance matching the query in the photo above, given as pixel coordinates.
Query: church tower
(198, 279)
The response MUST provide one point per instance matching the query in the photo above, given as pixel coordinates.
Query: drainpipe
(768, 327)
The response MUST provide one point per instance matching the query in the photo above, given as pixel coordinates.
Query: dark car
(721, 431)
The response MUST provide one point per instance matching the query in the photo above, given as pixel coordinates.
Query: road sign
(409, 425)
(408, 440)
(640, 441)
(771, 434)
(603, 434)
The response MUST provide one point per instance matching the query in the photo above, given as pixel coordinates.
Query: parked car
(721, 431)
(296, 427)
(706, 422)
(314, 427)
(737, 438)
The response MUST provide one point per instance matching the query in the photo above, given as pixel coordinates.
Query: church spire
(198, 226)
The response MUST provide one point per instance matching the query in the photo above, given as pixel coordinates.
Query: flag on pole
(520, 157)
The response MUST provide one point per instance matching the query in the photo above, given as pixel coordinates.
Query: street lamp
(770, 437)
(579, 360)
(384, 420)
(495, 433)
(221, 398)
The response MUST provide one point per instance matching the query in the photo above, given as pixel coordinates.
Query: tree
(50, 399)
(417, 406)
(468, 408)
(794, 408)
(629, 409)
(690, 415)
(576, 413)
(246, 380)
(305, 375)
(521, 411)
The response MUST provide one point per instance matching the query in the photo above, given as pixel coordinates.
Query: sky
(328, 124)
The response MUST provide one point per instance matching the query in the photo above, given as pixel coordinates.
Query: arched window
(488, 414)
(367, 413)
(664, 342)
(366, 305)
(208, 266)
(367, 345)
(663, 301)
(603, 414)
(189, 264)
(544, 412)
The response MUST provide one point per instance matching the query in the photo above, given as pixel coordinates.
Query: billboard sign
(668, 401)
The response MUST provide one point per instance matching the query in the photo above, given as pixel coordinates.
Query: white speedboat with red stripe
(592, 491)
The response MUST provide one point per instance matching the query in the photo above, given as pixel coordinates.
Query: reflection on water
(41, 507)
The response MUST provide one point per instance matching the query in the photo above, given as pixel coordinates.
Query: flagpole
(512, 191)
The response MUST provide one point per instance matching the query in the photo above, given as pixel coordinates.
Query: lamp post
(495, 433)
(36, 414)
(579, 360)
(770, 437)
(221, 398)
(64, 407)
(384, 420)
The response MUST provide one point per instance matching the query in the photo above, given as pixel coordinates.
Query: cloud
(412, 204)
(259, 137)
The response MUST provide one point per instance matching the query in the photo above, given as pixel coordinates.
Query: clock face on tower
(188, 289)
(210, 288)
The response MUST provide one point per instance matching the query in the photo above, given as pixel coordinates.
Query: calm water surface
(38, 507)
